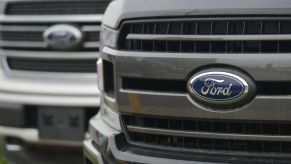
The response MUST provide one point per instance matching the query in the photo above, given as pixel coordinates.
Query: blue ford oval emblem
(62, 37)
(221, 90)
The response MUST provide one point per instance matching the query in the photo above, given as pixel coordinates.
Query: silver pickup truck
(194, 81)
(48, 54)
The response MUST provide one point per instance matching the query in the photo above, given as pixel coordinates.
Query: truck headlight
(108, 37)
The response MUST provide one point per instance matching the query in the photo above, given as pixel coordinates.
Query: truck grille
(25, 36)
(248, 138)
(52, 65)
(30, 36)
(205, 35)
(56, 7)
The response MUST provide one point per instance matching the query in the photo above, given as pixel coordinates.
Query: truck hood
(120, 10)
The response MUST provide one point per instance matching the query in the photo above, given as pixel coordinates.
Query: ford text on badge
(221, 89)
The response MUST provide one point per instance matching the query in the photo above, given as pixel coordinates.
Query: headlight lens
(108, 37)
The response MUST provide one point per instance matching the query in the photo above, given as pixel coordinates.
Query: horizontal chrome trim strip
(88, 28)
(22, 28)
(50, 54)
(207, 152)
(210, 135)
(52, 18)
(41, 28)
(32, 44)
(91, 45)
(23, 44)
(208, 37)
(242, 18)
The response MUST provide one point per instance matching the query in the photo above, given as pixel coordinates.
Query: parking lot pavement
(42, 155)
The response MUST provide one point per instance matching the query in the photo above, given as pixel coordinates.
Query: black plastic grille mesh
(92, 36)
(212, 126)
(53, 65)
(21, 36)
(56, 7)
(207, 27)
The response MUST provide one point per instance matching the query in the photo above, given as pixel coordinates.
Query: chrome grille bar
(51, 18)
(22, 28)
(208, 37)
(90, 28)
(193, 134)
(91, 44)
(22, 44)
(31, 44)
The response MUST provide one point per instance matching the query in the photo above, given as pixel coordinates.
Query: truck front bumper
(21, 99)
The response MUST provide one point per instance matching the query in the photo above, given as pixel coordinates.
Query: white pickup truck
(48, 81)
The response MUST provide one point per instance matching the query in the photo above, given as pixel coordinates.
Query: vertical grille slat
(228, 27)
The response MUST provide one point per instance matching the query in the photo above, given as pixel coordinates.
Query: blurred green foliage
(2, 161)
